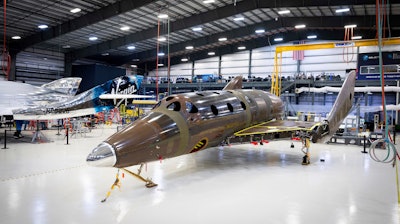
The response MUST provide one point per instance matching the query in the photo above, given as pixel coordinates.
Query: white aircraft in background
(57, 99)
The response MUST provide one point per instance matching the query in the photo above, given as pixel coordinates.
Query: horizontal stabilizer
(68, 86)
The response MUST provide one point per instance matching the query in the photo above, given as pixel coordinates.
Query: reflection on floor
(51, 183)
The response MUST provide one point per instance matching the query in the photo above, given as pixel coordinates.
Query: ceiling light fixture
(241, 48)
(75, 10)
(211, 53)
(125, 28)
(16, 37)
(161, 54)
(356, 37)
(283, 12)
(208, 1)
(238, 19)
(311, 36)
(196, 29)
(160, 65)
(350, 26)
(260, 31)
(66, 46)
(189, 47)
(278, 39)
(222, 39)
(184, 59)
(162, 16)
(161, 39)
(301, 26)
(342, 10)
(105, 54)
(93, 38)
(131, 47)
(43, 26)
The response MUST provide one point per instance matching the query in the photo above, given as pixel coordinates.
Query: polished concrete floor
(51, 183)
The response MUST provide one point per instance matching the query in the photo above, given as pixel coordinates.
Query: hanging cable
(348, 35)
(6, 58)
(158, 49)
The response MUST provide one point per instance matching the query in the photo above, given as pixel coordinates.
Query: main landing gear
(306, 150)
(117, 182)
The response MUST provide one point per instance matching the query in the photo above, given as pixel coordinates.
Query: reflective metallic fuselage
(186, 123)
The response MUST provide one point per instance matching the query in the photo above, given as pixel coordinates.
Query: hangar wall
(328, 61)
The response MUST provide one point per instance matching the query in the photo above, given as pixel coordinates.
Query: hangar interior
(183, 46)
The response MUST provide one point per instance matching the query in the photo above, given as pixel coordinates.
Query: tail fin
(343, 103)
(68, 86)
(339, 111)
(235, 83)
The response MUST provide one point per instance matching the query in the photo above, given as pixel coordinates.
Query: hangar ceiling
(126, 32)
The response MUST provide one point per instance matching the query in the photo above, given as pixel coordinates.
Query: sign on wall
(368, 65)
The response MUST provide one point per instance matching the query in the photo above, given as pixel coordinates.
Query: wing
(123, 96)
(283, 128)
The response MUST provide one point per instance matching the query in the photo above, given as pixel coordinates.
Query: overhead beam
(206, 17)
(315, 23)
(88, 19)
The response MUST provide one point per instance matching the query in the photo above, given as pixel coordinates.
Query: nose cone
(102, 155)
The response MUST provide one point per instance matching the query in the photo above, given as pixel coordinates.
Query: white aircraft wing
(123, 96)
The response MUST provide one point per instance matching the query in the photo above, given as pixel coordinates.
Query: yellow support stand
(276, 76)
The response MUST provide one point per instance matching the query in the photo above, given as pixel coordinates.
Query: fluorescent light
(66, 46)
(208, 1)
(125, 28)
(241, 48)
(301, 26)
(260, 31)
(278, 39)
(16, 37)
(211, 53)
(284, 12)
(93, 38)
(238, 19)
(160, 65)
(134, 66)
(197, 29)
(222, 39)
(350, 26)
(184, 59)
(342, 10)
(75, 10)
(311, 36)
(43, 26)
(161, 54)
(189, 47)
(356, 37)
(162, 39)
(162, 16)
(105, 54)
(131, 47)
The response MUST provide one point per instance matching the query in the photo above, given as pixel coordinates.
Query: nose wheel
(117, 183)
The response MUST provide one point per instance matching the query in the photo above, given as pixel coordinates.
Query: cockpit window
(190, 108)
(175, 106)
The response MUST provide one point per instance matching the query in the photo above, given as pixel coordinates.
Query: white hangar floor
(51, 183)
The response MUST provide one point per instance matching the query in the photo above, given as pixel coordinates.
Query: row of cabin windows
(191, 108)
